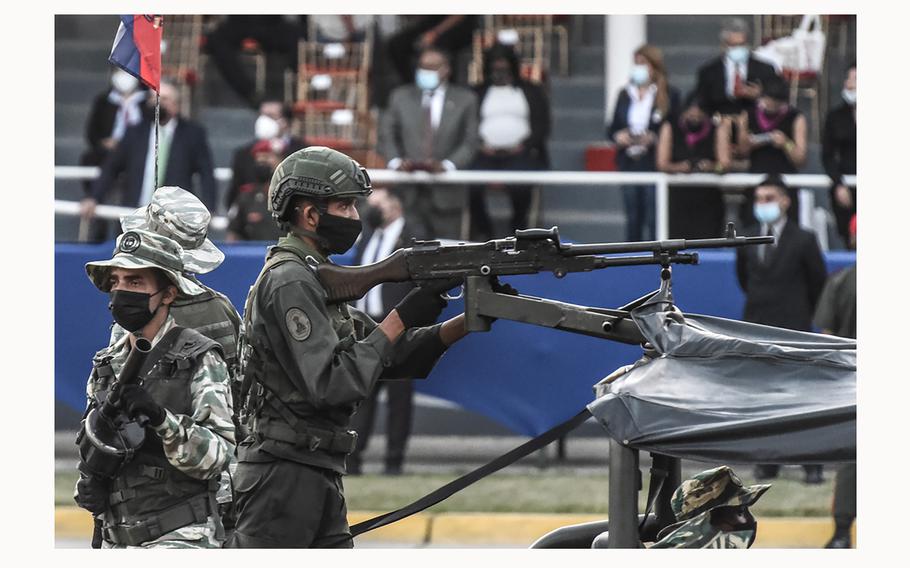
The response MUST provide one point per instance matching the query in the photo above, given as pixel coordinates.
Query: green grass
(544, 492)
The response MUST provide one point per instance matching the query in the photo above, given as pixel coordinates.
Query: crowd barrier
(527, 378)
(596, 180)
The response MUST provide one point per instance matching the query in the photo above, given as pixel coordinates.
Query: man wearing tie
(732, 82)
(783, 281)
(431, 125)
(385, 231)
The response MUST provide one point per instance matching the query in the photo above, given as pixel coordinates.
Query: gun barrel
(671, 245)
(129, 373)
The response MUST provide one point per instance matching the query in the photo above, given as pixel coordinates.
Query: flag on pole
(137, 48)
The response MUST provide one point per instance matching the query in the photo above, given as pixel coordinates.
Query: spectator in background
(641, 107)
(419, 33)
(688, 143)
(773, 135)
(514, 125)
(839, 154)
(836, 315)
(273, 33)
(183, 152)
(732, 82)
(331, 28)
(112, 112)
(274, 124)
(249, 218)
(782, 282)
(431, 126)
(385, 230)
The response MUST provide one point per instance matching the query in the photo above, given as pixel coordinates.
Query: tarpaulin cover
(720, 390)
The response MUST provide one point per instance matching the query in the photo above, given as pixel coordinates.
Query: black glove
(424, 303)
(91, 494)
(135, 401)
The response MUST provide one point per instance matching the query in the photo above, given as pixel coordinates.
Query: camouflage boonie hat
(179, 215)
(144, 249)
(718, 487)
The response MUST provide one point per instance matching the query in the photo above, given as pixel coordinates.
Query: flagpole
(157, 128)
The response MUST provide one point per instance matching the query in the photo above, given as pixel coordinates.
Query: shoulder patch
(298, 324)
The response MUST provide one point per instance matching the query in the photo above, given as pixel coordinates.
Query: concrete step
(573, 125)
(592, 30)
(83, 54)
(587, 60)
(67, 150)
(229, 123)
(577, 91)
(86, 26)
(79, 86)
(570, 155)
(70, 119)
(687, 29)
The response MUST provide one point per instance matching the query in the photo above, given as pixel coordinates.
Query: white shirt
(730, 70)
(381, 245)
(148, 178)
(640, 109)
(504, 117)
(436, 98)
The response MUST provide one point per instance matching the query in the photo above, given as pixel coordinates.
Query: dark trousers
(639, 202)
(842, 216)
(696, 212)
(520, 195)
(844, 505)
(400, 407)
(284, 504)
(274, 35)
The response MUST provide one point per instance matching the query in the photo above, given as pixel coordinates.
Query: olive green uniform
(309, 365)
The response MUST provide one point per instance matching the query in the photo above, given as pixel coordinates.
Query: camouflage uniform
(692, 503)
(197, 444)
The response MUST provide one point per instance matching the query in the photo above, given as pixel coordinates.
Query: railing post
(662, 204)
(623, 497)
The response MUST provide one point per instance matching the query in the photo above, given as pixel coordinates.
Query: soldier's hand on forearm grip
(424, 303)
(136, 401)
(91, 494)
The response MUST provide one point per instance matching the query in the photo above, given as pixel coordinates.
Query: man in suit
(783, 281)
(732, 82)
(385, 231)
(274, 124)
(432, 126)
(183, 151)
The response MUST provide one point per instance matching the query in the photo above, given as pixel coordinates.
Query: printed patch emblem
(298, 324)
(130, 242)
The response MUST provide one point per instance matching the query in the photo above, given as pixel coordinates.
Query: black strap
(468, 479)
(160, 348)
(655, 484)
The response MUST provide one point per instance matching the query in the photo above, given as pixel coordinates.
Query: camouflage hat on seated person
(718, 487)
(144, 249)
(179, 215)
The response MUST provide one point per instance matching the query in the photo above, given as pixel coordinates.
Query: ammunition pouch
(192, 511)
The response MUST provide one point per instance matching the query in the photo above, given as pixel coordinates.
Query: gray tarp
(721, 390)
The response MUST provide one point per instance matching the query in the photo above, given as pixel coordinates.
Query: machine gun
(109, 438)
(530, 251)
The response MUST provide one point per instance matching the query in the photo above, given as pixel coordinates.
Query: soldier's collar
(301, 248)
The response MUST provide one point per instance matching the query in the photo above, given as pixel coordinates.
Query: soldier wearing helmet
(308, 364)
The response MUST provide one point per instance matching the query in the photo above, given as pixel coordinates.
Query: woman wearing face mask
(113, 110)
(688, 143)
(773, 135)
(839, 154)
(641, 107)
(514, 124)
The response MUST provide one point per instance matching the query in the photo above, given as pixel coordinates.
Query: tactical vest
(150, 497)
(266, 386)
(212, 315)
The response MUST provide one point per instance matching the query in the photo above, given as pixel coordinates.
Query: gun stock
(345, 283)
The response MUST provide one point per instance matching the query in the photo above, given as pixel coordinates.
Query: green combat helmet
(316, 172)
(718, 487)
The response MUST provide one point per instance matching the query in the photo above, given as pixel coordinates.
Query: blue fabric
(525, 377)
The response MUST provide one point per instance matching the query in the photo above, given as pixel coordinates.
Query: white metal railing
(661, 182)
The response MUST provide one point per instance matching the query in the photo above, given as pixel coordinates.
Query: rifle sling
(472, 477)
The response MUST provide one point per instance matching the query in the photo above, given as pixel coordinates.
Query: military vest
(212, 315)
(267, 410)
(150, 497)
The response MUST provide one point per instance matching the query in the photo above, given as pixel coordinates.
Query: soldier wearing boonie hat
(711, 510)
(179, 215)
(165, 496)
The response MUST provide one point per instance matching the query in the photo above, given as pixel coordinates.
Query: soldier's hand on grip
(91, 494)
(424, 303)
(136, 401)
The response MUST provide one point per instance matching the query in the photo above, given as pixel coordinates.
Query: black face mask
(131, 309)
(338, 233)
(373, 218)
(262, 172)
(694, 125)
